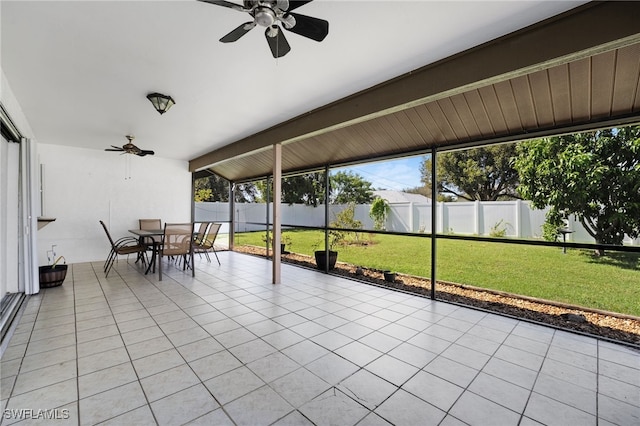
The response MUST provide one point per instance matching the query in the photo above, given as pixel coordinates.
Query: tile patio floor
(228, 347)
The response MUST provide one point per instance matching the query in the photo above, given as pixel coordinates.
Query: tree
(593, 175)
(426, 191)
(246, 193)
(307, 189)
(345, 219)
(485, 174)
(211, 188)
(215, 188)
(349, 187)
(202, 195)
(379, 211)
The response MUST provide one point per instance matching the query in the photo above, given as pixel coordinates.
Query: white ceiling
(81, 70)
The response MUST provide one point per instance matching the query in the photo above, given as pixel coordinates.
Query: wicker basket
(51, 276)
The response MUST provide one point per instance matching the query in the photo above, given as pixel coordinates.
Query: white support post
(412, 228)
(518, 225)
(476, 217)
(277, 214)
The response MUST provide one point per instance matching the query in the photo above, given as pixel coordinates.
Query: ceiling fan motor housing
(271, 4)
(264, 16)
(269, 14)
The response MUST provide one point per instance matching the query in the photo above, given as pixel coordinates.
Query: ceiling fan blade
(224, 3)
(238, 32)
(115, 148)
(278, 43)
(144, 152)
(310, 27)
(294, 4)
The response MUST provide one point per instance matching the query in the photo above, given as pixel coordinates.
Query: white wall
(83, 186)
(13, 108)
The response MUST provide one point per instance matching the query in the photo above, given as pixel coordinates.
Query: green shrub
(378, 212)
(499, 230)
(345, 220)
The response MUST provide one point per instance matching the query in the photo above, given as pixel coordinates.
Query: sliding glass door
(11, 291)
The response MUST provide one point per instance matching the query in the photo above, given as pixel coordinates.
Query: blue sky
(396, 174)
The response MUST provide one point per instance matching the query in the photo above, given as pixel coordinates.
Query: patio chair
(121, 247)
(177, 240)
(197, 239)
(206, 243)
(148, 224)
(202, 232)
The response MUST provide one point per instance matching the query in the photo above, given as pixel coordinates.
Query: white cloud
(396, 174)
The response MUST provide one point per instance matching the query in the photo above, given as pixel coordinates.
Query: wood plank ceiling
(599, 85)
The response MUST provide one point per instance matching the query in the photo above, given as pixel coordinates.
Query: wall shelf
(44, 221)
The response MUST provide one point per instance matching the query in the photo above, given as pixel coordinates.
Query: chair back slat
(150, 223)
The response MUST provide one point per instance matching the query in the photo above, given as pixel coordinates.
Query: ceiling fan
(267, 13)
(130, 148)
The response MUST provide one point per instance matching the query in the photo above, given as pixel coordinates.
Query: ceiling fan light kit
(161, 102)
(267, 13)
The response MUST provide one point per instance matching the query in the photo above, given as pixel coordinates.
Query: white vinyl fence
(516, 218)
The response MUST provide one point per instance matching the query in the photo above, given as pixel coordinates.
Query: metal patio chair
(207, 243)
(177, 241)
(121, 247)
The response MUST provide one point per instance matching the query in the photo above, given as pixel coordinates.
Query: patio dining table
(155, 235)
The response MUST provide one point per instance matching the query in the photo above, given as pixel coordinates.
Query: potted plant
(284, 241)
(321, 255)
(53, 275)
(343, 220)
(389, 276)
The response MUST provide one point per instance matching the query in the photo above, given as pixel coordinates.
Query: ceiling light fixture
(161, 102)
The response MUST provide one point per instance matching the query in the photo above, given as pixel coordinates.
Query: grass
(610, 283)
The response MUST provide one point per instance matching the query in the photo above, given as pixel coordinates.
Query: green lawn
(611, 283)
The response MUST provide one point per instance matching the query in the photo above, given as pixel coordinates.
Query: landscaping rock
(574, 317)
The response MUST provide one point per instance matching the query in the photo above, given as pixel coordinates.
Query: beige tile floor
(228, 347)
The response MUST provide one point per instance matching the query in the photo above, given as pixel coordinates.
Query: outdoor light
(161, 102)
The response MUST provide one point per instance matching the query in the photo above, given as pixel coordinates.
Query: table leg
(140, 254)
(152, 262)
